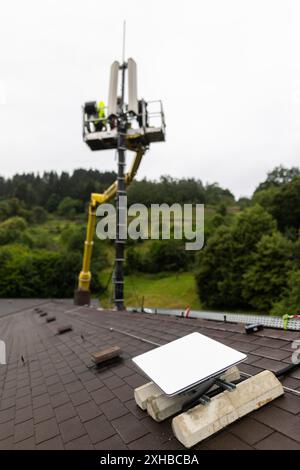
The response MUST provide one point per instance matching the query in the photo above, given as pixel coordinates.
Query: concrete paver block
(159, 405)
(200, 422)
(144, 392)
(162, 407)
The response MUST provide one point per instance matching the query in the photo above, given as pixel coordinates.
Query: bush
(69, 207)
(73, 239)
(165, 255)
(265, 197)
(4, 210)
(52, 203)
(12, 229)
(134, 261)
(39, 215)
(162, 255)
(39, 273)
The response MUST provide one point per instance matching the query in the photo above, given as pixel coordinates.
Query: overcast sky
(228, 73)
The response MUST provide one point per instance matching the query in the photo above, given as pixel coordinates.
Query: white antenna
(124, 37)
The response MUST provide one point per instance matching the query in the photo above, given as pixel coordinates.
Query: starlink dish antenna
(121, 125)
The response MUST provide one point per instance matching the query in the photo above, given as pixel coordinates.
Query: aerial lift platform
(131, 125)
(145, 121)
(144, 128)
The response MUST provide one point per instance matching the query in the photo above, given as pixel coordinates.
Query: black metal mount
(200, 394)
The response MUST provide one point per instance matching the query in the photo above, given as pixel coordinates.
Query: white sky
(228, 73)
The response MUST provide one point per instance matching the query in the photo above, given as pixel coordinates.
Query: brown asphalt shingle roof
(54, 401)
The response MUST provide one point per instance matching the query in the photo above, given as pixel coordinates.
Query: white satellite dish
(187, 362)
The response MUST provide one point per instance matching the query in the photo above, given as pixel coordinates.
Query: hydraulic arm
(82, 295)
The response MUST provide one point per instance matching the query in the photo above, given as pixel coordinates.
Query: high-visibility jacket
(286, 317)
(101, 110)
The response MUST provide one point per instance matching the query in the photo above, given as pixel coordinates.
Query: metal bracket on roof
(200, 394)
(225, 385)
(204, 400)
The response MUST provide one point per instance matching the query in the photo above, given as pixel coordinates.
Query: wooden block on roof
(106, 354)
(64, 329)
(50, 319)
(43, 314)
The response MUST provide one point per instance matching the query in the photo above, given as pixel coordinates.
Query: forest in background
(250, 261)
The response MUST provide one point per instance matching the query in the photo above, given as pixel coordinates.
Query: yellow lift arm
(96, 199)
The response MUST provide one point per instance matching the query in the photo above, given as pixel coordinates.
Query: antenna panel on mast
(113, 88)
(132, 87)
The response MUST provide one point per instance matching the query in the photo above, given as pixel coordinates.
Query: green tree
(226, 257)
(250, 226)
(134, 260)
(286, 206)
(279, 177)
(265, 279)
(214, 194)
(216, 221)
(165, 255)
(12, 229)
(40, 273)
(73, 239)
(69, 207)
(244, 202)
(39, 215)
(214, 268)
(15, 206)
(290, 299)
(265, 197)
(162, 255)
(53, 202)
(4, 210)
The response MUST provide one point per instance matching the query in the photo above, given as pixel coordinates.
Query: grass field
(163, 290)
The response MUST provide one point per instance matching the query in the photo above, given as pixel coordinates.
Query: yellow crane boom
(96, 199)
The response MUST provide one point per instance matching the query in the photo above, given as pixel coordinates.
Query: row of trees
(254, 260)
(183, 191)
(68, 195)
(50, 189)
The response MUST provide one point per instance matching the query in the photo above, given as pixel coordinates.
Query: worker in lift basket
(100, 124)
